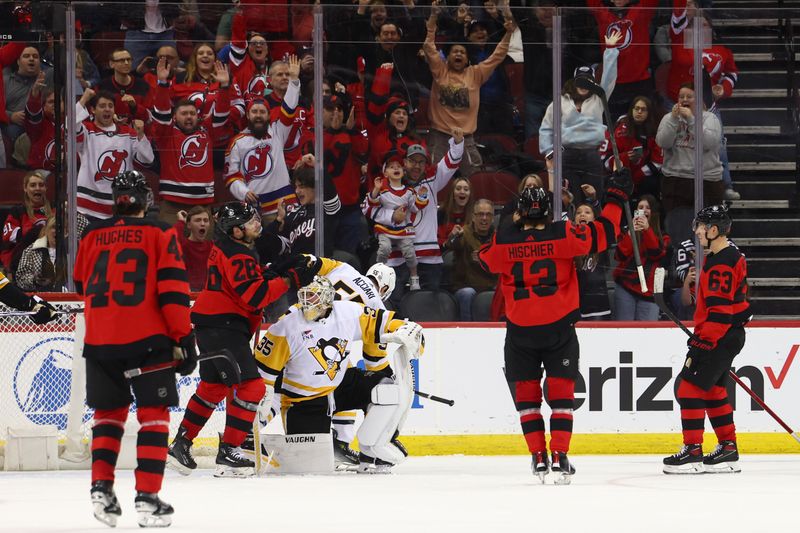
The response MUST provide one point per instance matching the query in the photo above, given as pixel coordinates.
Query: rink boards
(625, 400)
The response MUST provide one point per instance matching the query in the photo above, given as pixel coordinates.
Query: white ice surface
(433, 495)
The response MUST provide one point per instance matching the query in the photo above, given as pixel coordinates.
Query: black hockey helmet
(234, 215)
(131, 191)
(714, 215)
(533, 203)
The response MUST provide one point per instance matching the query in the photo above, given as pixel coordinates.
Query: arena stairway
(762, 148)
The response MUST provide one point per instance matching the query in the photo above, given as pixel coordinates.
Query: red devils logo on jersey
(194, 151)
(50, 153)
(625, 27)
(110, 163)
(258, 84)
(198, 98)
(257, 163)
(712, 62)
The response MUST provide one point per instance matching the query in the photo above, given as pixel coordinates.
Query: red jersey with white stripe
(258, 165)
(425, 223)
(104, 153)
(390, 198)
(301, 133)
(187, 171)
(634, 47)
(252, 79)
(721, 295)
(537, 271)
(204, 95)
(652, 155)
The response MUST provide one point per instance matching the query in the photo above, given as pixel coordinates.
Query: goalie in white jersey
(371, 290)
(308, 349)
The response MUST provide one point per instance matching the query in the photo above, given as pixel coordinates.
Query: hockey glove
(185, 353)
(303, 274)
(284, 263)
(43, 312)
(409, 335)
(698, 348)
(620, 186)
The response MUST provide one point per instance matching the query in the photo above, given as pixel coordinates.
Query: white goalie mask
(316, 298)
(385, 277)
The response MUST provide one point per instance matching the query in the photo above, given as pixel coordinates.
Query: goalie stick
(658, 296)
(232, 377)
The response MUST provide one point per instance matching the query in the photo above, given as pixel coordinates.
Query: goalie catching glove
(185, 353)
(410, 336)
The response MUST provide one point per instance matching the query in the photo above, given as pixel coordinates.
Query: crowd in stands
(424, 106)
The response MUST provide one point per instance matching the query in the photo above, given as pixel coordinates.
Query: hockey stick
(76, 311)
(658, 296)
(229, 378)
(595, 88)
(435, 398)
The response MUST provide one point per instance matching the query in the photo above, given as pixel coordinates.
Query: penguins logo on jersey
(194, 151)
(329, 354)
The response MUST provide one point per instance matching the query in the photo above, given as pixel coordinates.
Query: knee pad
(211, 392)
(384, 418)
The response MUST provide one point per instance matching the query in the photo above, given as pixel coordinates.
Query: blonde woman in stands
(26, 219)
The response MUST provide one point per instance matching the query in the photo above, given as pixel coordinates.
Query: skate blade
(688, 469)
(146, 519)
(731, 467)
(374, 469)
(541, 476)
(562, 478)
(177, 466)
(228, 471)
(345, 467)
(102, 516)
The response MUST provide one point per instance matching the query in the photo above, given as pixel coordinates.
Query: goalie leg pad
(389, 406)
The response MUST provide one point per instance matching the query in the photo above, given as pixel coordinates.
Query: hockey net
(42, 382)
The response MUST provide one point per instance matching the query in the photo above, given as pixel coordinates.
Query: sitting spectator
(150, 26)
(633, 18)
(185, 144)
(296, 224)
(676, 137)
(629, 301)
(391, 194)
(591, 271)
(255, 168)
(18, 84)
(456, 213)
(455, 93)
(130, 92)
(531, 181)
(37, 270)
(23, 223)
(495, 114)
(193, 232)
(388, 122)
(636, 140)
(582, 128)
(344, 147)
(468, 276)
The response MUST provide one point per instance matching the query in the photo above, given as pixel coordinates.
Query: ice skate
(179, 456)
(152, 511)
(723, 460)
(104, 501)
(231, 462)
(540, 465)
(373, 465)
(562, 468)
(344, 458)
(689, 460)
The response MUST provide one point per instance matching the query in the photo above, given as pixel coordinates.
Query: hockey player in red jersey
(535, 260)
(721, 313)
(128, 266)
(226, 315)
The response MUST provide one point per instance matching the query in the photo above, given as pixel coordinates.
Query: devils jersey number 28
(542, 280)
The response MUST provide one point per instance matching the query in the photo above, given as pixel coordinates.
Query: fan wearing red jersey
(535, 261)
(226, 315)
(185, 143)
(721, 313)
(128, 266)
